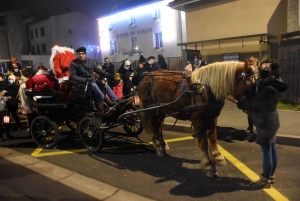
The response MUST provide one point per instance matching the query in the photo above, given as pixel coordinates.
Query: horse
(198, 97)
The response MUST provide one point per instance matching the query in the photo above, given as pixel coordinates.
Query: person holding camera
(265, 118)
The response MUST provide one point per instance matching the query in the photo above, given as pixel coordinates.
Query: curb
(81, 183)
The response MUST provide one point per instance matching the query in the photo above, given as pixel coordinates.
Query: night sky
(91, 8)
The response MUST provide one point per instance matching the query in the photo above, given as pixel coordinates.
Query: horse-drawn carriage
(78, 114)
(198, 97)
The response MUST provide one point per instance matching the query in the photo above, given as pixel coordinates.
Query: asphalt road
(126, 164)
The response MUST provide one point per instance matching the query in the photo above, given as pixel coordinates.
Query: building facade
(30, 37)
(241, 27)
(149, 29)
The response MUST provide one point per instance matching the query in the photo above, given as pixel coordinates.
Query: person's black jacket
(3, 85)
(263, 105)
(12, 90)
(162, 63)
(154, 67)
(81, 70)
(110, 69)
(139, 75)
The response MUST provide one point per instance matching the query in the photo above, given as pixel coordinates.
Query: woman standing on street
(265, 118)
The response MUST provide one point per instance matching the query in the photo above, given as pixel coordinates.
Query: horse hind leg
(153, 126)
(158, 142)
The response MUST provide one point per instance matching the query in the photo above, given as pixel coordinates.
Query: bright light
(144, 20)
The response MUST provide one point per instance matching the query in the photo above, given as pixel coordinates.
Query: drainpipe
(8, 36)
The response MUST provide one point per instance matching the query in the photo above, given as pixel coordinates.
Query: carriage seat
(78, 90)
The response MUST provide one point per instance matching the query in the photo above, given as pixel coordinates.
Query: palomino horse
(199, 98)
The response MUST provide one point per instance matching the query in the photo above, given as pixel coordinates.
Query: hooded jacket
(263, 108)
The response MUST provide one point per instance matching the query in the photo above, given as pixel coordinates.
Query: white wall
(144, 30)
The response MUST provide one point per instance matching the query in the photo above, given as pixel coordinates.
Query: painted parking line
(272, 192)
(250, 174)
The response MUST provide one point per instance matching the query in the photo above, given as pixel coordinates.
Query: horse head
(246, 77)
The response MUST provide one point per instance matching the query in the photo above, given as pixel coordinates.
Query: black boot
(9, 136)
(1, 138)
(109, 102)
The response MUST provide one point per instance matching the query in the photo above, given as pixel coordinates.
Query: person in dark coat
(126, 72)
(3, 111)
(198, 61)
(82, 71)
(265, 118)
(162, 62)
(109, 68)
(152, 65)
(12, 90)
(139, 74)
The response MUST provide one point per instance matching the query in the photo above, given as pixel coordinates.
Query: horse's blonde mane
(219, 76)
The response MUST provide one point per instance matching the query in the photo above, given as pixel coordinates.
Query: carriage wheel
(132, 123)
(92, 137)
(72, 124)
(44, 132)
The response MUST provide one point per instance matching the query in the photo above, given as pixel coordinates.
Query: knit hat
(28, 71)
(127, 63)
(117, 76)
(12, 77)
(142, 59)
(81, 49)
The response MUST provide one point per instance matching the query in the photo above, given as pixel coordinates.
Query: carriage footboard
(50, 105)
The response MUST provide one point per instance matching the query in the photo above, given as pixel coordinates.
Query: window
(158, 40)
(134, 46)
(44, 48)
(132, 20)
(111, 26)
(42, 31)
(31, 34)
(32, 50)
(157, 14)
(37, 49)
(113, 47)
(36, 33)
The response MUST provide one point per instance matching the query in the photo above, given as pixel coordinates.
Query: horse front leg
(213, 150)
(207, 165)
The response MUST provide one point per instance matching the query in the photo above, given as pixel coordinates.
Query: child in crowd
(117, 85)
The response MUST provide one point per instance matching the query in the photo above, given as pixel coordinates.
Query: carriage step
(51, 105)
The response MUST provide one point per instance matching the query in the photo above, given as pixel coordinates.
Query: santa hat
(57, 49)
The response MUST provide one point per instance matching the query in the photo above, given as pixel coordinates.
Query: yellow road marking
(272, 192)
(252, 175)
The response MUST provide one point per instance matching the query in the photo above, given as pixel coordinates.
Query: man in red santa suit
(60, 64)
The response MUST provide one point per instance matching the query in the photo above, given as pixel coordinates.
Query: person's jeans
(270, 159)
(107, 90)
(94, 87)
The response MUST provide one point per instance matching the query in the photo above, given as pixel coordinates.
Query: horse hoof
(220, 161)
(161, 152)
(212, 174)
